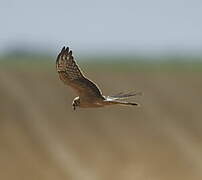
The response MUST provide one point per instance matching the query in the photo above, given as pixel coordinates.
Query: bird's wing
(71, 75)
(122, 95)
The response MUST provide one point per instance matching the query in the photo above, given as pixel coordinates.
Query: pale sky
(105, 25)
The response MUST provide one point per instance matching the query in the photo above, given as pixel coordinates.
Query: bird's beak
(74, 107)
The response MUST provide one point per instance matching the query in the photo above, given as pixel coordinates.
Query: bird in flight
(89, 95)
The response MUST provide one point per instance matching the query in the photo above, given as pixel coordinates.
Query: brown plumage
(89, 94)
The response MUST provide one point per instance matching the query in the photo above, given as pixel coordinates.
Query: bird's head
(76, 102)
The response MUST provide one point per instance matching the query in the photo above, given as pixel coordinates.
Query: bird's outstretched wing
(71, 75)
(122, 95)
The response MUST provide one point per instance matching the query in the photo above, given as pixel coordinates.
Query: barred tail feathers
(110, 102)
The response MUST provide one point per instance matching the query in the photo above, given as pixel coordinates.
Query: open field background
(42, 138)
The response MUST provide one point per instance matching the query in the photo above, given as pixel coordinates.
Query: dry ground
(42, 138)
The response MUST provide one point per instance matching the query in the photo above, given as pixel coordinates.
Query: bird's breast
(91, 104)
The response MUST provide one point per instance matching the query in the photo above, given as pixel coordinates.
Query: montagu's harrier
(89, 94)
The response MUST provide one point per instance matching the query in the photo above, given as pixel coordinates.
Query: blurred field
(42, 138)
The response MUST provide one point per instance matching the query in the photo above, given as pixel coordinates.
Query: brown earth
(42, 138)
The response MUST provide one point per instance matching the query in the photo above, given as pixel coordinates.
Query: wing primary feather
(63, 49)
(122, 95)
(67, 49)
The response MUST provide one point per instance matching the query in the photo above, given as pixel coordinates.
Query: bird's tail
(122, 103)
(126, 103)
